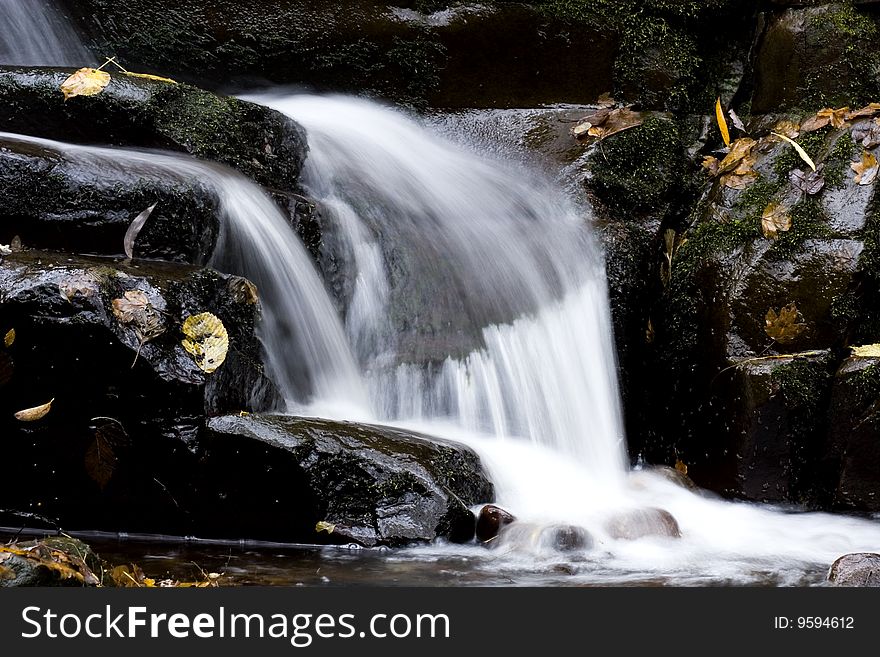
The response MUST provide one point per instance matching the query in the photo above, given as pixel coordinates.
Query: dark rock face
(260, 143)
(52, 201)
(817, 56)
(858, 569)
(640, 523)
(461, 55)
(372, 485)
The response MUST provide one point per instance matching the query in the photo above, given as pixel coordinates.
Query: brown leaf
(868, 133)
(739, 150)
(710, 164)
(9, 338)
(135, 228)
(681, 466)
(604, 125)
(243, 291)
(836, 117)
(788, 128)
(605, 100)
(83, 284)
(869, 110)
(35, 413)
(135, 310)
(774, 220)
(100, 459)
(866, 168)
(785, 326)
(738, 181)
(810, 182)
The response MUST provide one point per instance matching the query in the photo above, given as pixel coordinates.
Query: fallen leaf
(5, 250)
(100, 458)
(866, 168)
(85, 82)
(867, 351)
(324, 526)
(836, 117)
(710, 164)
(788, 128)
(681, 467)
(581, 130)
(83, 284)
(868, 133)
(605, 123)
(869, 110)
(243, 291)
(135, 228)
(737, 122)
(134, 309)
(739, 150)
(35, 413)
(9, 338)
(800, 151)
(722, 124)
(774, 220)
(206, 340)
(808, 182)
(147, 76)
(786, 325)
(605, 100)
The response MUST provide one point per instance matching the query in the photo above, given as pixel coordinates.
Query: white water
(36, 33)
(315, 361)
(537, 398)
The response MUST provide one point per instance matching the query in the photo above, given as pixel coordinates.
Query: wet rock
(491, 521)
(857, 569)
(817, 56)
(365, 484)
(262, 144)
(537, 538)
(666, 472)
(455, 55)
(565, 538)
(853, 425)
(52, 201)
(54, 561)
(640, 523)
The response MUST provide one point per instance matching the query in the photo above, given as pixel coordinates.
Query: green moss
(808, 221)
(865, 386)
(640, 169)
(837, 169)
(812, 142)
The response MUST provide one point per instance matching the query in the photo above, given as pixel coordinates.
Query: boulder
(259, 142)
(54, 201)
(491, 521)
(544, 539)
(455, 55)
(857, 569)
(364, 484)
(640, 523)
(817, 55)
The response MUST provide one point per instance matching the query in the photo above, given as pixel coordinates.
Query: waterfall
(479, 295)
(36, 33)
(307, 350)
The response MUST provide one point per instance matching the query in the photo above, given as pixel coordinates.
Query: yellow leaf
(324, 526)
(9, 338)
(710, 164)
(800, 151)
(681, 467)
(206, 340)
(35, 413)
(740, 149)
(869, 110)
(787, 128)
(867, 351)
(866, 168)
(85, 82)
(784, 326)
(774, 220)
(722, 122)
(147, 76)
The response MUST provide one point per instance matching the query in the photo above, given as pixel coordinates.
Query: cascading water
(479, 313)
(308, 353)
(36, 33)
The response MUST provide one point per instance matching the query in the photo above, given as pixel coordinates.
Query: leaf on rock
(785, 326)
(866, 168)
(83, 284)
(135, 228)
(872, 109)
(135, 310)
(868, 133)
(681, 466)
(800, 151)
(722, 124)
(737, 122)
(774, 220)
(85, 82)
(9, 338)
(243, 291)
(836, 117)
(206, 340)
(606, 122)
(810, 182)
(710, 164)
(147, 76)
(739, 150)
(324, 526)
(867, 351)
(35, 413)
(788, 128)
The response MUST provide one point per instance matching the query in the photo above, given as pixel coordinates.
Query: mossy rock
(259, 142)
(52, 561)
(817, 56)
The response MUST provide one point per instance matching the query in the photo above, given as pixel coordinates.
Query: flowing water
(475, 310)
(37, 33)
